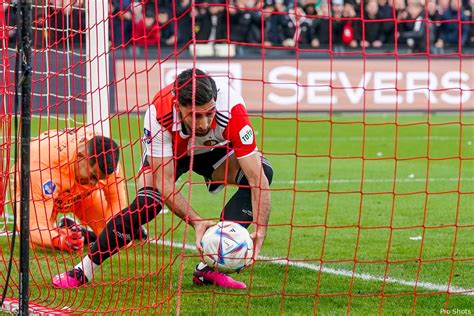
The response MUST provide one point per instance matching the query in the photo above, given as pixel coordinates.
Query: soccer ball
(227, 247)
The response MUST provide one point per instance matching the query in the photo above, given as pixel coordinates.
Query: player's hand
(200, 228)
(258, 237)
(69, 239)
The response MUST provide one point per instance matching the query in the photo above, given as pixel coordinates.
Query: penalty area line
(366, 180)
(341, 272)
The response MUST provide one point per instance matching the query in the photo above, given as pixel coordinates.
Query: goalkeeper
(194, 124)
(72, 171)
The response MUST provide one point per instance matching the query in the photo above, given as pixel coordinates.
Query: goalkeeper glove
(70, 240)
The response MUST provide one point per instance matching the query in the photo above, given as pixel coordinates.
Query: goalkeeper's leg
(120, 230)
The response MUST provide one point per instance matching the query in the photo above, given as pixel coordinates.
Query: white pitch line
(344, 273)
(339, 272)
(323, 181)
(361, 138)
(373, 180)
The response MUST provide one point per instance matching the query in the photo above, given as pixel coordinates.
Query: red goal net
(4, 123)
(363, 107)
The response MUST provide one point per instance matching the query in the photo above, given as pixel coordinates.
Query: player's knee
(267, 170)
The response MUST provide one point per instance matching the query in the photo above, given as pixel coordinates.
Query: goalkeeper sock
(87, 267)
(201, 266)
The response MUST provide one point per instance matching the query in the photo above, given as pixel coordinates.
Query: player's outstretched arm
(261, 201)
(164, 181)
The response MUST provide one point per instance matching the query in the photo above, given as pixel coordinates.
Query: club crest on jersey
(49, 187)
(147, 137)
(246, 135)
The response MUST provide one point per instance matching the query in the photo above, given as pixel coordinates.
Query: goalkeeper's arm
(43, 230)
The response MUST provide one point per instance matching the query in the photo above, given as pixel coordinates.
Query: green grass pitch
(356, 199)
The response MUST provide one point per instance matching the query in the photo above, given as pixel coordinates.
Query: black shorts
(203, 164)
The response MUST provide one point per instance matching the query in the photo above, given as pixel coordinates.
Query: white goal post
(97, 41)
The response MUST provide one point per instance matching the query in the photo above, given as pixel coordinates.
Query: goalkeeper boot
(207, 276)
(71, 279)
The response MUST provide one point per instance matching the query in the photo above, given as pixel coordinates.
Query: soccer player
(193, 124)
(72, 171)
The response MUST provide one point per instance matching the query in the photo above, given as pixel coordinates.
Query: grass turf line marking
(339, 272)
(131, 184)
(291, 182)
(366, 138)
(373, 180)
(343, 273)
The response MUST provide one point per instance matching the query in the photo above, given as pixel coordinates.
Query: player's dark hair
(105, 152)
(206, 89)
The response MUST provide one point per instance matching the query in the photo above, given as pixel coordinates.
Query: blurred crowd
(419, 25)
(303, 23)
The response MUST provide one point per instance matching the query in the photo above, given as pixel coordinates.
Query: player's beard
(201, 133)
(85, 186)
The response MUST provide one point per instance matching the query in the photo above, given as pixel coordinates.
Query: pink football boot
(209, 276)
(71, 279)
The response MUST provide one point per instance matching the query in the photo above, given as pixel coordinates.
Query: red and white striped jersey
(165, 136)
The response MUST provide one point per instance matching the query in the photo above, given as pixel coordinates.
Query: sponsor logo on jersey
(49, 187)
(147, 137)
(246, 135)
(210, 142)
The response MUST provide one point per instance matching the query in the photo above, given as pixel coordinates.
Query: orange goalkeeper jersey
(54, 188)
